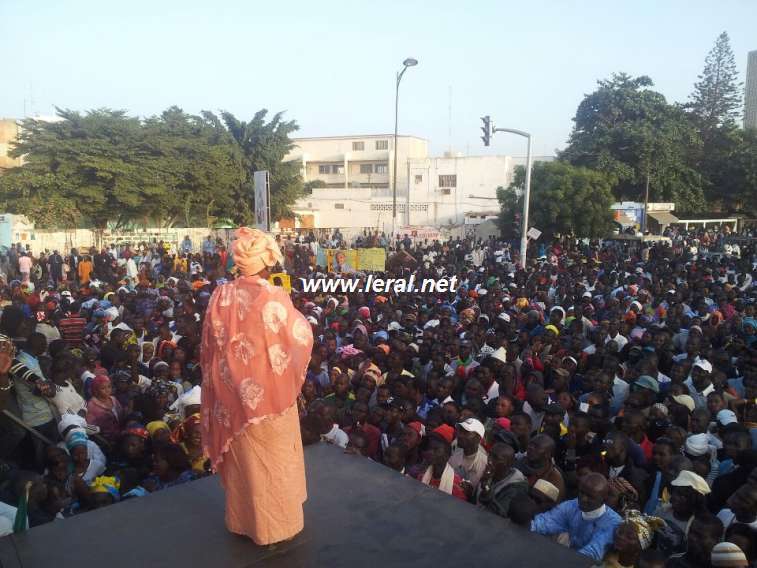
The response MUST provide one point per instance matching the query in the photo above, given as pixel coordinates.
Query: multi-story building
(750, 94)
(350, 162)
(357, 173)
(9, 130)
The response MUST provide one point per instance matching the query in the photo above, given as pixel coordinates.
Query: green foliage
(309, 186)
(629, 132)
(197, 163)
(104, 168)
(91, 162)
(263, 146)
(565, 199)
(716, 100)
(731, 168)
(725, 159)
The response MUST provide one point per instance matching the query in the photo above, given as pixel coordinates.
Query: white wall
(429, 205)
(83, 239)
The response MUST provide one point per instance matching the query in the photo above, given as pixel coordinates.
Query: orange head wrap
(254, 250)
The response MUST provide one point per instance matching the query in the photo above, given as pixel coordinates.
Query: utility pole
(489, 130)
(646, 204)
(409, 62)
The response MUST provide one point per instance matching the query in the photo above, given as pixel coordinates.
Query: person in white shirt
(469, 459)
(66, 400)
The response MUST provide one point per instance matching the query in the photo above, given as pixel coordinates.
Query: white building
(358, 170)
(750, 92)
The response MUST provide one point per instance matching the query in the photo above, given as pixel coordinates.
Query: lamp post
(527, 193)
(409, 62)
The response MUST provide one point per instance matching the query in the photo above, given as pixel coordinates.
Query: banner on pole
(533, 233)
(262, 206)
(346, 261)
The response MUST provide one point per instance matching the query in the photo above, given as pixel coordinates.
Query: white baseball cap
(704, 364)
(473, 425)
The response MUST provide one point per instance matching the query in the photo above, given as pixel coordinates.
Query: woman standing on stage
(255, 351)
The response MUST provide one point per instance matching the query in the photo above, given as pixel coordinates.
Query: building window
(324, 169)
(358, 146)
(338, 205)
(337, 169)
(418, 178)
(381, 169)
(448, 181)
(366, 168)
(382, 144)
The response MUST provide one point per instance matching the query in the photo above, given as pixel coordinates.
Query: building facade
(357, 173)
(750, 93)
(9, 131)
(353, 162)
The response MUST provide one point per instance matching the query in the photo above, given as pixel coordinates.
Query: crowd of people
(605, 397)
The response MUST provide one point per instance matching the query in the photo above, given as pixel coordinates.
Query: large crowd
(605, 397)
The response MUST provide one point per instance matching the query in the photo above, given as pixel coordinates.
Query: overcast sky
(331, 65)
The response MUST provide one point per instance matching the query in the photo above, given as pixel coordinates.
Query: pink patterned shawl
(255, 350)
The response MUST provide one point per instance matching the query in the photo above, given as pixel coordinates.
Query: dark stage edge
(358, 514)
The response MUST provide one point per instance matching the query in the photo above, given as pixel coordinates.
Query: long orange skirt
(263, 474)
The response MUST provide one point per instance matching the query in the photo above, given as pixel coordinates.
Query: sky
(331, 65)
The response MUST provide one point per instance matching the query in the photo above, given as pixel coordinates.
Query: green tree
(731, 167)
(263, 146)
(716, 100)
(715, 107)
(91, 162)
(630, 132)
(565, 199)
(309, 186)
(105, 168)
(197, 167)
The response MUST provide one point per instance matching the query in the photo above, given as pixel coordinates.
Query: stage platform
(358, 514)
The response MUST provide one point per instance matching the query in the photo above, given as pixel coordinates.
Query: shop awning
(663, 217)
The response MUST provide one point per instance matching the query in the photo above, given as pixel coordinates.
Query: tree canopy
(630, 132)
(565, 199)
(724, 157)
(104, 168)
(263, 147)
(716, 100)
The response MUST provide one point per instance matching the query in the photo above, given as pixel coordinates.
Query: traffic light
(487, 129)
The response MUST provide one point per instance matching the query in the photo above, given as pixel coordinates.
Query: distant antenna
(449, 121)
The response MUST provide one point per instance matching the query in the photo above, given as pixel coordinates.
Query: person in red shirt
(635, 425)
(439, 473)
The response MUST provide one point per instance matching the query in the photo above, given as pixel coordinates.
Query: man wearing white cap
(688, 498)
(469, 459)
(699, 382)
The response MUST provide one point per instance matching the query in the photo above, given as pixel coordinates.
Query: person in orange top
(255, 351)
(85, 270)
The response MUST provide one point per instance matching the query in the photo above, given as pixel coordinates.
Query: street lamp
(527, 193)
(409, 62)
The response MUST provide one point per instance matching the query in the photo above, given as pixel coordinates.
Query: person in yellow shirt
(85, 270)
(180, 264)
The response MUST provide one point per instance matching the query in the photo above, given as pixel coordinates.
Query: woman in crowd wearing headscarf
(189, 436)
(255, 351)
(103, 410)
